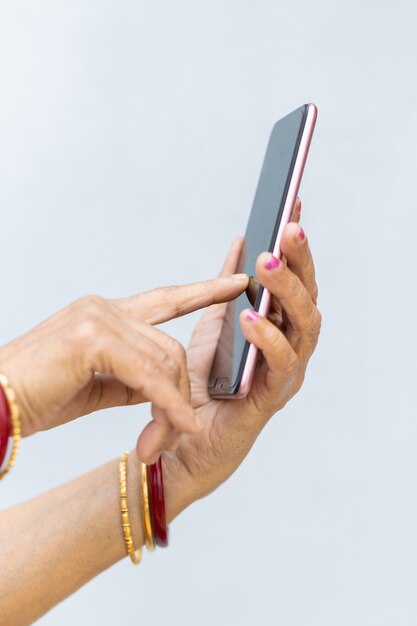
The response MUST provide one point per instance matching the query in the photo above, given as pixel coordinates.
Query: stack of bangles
(10, 433)
(155, 529)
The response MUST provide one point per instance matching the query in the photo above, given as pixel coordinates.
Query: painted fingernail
(301, 235)
(252, 316)
(272, 263)
(299, 207)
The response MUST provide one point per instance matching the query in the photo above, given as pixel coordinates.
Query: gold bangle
(146, 514)
(15, 423)
(124, 509)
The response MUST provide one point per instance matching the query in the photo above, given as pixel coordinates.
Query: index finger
(166, 303)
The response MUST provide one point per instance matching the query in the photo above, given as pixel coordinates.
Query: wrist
(26, 427)
(10, 425)
(177, 487)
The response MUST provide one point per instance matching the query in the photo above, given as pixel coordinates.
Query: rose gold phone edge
(250, 365)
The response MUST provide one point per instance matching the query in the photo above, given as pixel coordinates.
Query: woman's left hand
(286, 341)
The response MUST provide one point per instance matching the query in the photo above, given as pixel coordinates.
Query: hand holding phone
(286, 340)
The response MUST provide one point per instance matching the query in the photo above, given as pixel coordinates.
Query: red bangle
(158, 503)
(4, 425)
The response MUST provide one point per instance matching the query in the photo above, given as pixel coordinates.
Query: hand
(99, 353)
(286, 341)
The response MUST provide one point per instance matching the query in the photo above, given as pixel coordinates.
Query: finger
(252, 290)
(296, 212)
(294, 246)
(176, 352)
(159, 346)
(169, 347)
(132, 360)
(301, 312)
(153, 345)
(160, 305)
(275, 347)
(170, 433)
(107, 391)
(152, 441)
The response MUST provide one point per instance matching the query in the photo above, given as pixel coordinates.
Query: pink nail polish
(252, 316)
(301, 235)
(272, 263)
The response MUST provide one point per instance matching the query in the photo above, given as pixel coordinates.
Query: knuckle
(314, 323)
(291, 364)
(90, 302)
(298, 382)
(315, 294)
(151, 371)
(171, 364)
(94, 308)
(90, 314)
(296, 287)
(87, 328)
(178, 350)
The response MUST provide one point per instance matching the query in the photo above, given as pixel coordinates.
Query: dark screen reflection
(260, 236)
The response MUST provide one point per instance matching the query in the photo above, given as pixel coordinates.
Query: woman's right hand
(99, 353)
(286, 340)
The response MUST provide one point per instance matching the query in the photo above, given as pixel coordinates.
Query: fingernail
(252, 316)
(240, 277)
(301, 235)
(272, 263)
(299, 207)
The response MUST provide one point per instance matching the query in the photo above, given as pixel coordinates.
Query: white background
(131, 139)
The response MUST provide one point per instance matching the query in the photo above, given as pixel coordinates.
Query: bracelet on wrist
(158, 503)
(152, 500)
(124, 509)
(9, 425)
(146, 509)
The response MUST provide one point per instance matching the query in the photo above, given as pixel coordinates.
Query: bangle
(158, 503)
(146, 515)
(124, 509)
(4, 425)
(14, 422)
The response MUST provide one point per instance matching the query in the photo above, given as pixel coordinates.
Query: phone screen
(260, 236)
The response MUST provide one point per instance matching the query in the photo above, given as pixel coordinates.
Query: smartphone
(235, 358)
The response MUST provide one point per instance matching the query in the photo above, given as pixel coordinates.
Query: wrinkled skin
(286, 341)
